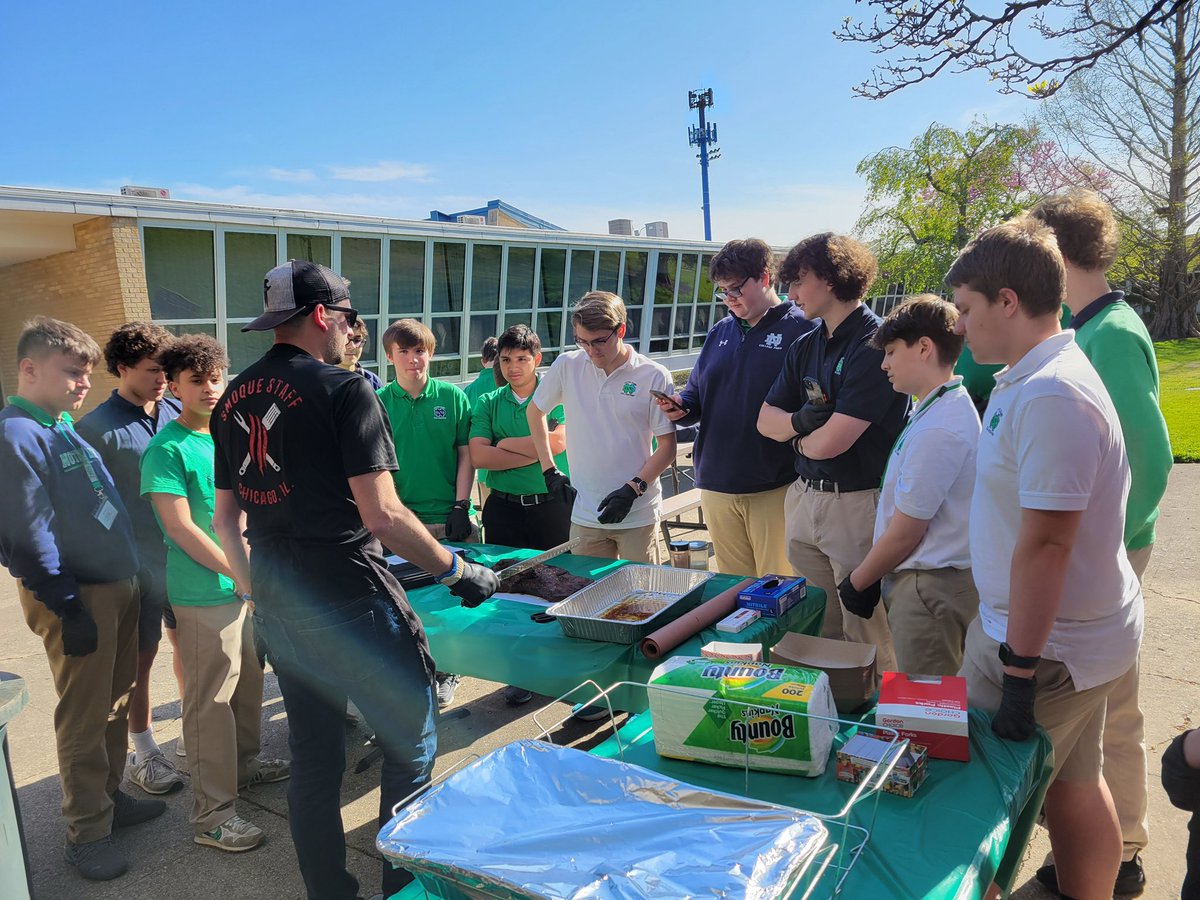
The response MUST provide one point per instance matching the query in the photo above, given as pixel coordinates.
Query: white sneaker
(180, 750)
(154, 773)
(234, 835)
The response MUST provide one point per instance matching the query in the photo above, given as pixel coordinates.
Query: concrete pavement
(166, 865)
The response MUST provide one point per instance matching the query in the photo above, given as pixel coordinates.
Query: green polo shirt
(499, 415)
(428, 430)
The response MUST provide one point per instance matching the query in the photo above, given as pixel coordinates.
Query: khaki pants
(222, 705)
(828, 534)
(1073, 719)
(747, 532)
(1125, 746)
(635, 544)
(928, 612)
(91, 719)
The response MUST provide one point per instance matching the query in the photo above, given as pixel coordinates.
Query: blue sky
(576, 112)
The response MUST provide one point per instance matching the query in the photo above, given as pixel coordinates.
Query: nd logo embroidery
(838, 368)
(439, 412)
(994, 421)
(773, 342)
(629, 389)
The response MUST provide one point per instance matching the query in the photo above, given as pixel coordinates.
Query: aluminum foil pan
(579, 614)
(534, 820)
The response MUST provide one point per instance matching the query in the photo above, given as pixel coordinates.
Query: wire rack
(825, 873)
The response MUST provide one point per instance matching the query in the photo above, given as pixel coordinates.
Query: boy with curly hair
(222, 698)
(841, 430)
(120, 429)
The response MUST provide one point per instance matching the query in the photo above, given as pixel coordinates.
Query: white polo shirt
(613, 421)
(930, 475)
(1051, 440)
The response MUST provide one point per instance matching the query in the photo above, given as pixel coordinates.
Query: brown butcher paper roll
(659, 643)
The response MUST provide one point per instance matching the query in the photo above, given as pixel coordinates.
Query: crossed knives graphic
(267, 421)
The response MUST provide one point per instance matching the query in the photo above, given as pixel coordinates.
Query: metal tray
(579, 614)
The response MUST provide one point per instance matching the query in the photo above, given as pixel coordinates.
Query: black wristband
(1009, 658)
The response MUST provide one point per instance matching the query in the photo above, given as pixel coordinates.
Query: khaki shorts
(1073, 719)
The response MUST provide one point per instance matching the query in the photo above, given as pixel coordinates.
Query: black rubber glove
(861, 603)
(1014, 719)
(616, 506)
(476, 584)
(559, 485)
(79, 636)
(810, 417)
(458, 523)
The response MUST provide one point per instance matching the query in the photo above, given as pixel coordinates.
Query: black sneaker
(128, 811)
(1131, 878)
(97, 860)
(515, 696)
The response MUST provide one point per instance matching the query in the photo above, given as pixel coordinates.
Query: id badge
(105, 513)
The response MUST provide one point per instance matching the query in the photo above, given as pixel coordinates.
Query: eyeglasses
(350, 314)
(596, 343)
(735, 293)
(354, 340)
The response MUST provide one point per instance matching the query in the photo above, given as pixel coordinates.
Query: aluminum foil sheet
(534, 820)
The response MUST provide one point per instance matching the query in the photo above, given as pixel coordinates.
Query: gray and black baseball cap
(295, 286)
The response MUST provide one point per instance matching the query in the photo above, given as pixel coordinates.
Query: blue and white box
(773, 595)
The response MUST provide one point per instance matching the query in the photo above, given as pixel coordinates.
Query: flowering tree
(926, 201)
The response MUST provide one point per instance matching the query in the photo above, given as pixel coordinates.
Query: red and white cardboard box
(927, 709)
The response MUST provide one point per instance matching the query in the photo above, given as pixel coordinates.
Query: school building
(99, 260)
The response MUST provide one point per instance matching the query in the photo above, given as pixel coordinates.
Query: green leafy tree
(924, 202)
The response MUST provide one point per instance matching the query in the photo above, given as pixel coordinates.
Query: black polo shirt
(847, 367)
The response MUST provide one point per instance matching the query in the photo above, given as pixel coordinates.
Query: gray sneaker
(267, 771)
(97, 860)
(447, 684)
(130, 811)
(154, 773)
(234, 835)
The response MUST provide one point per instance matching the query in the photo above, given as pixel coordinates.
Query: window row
(464, 291)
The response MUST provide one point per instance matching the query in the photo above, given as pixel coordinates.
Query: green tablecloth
(966, 827)
(497, 641)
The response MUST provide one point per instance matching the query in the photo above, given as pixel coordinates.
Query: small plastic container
(681, 557)
(698, 551)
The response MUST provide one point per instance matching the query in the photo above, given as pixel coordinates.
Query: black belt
(832, 487)
(523, 499)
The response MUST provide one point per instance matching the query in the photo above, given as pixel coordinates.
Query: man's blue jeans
(362, 649)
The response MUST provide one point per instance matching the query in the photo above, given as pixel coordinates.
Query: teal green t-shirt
(428, 430)
(499, 415)
(179, 461)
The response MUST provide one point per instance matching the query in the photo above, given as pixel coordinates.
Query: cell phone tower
(704, 136)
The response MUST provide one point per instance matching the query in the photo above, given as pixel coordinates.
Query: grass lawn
(1179, 373)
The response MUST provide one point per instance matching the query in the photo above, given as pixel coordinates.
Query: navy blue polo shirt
(120, 431)
(847, 368)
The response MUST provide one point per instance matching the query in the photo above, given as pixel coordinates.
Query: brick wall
(99, 285)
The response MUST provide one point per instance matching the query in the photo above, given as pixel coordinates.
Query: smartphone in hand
(667, 398)
(814, 391)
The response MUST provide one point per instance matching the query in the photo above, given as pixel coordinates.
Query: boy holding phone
(743, 477)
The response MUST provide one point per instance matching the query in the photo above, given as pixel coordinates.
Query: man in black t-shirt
(305, 450)
(842, 443)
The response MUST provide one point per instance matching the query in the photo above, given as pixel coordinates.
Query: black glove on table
(475, 584)
(1014, 719)
(810, 417)
(616, 506)
(861, 603)
(458, 523)
(559, 485)
(79, 637)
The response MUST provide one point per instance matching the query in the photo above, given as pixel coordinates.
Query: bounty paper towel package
(771, 733)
